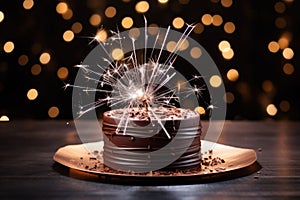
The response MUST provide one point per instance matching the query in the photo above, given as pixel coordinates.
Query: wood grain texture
(27, 170)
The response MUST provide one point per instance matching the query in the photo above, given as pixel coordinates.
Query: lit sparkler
(129, 84)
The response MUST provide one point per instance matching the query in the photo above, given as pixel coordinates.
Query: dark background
(39, 29)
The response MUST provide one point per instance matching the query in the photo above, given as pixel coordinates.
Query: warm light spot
(36, 69)
(142, 7)
(196, 52)
(233, 75)
(284, 106)
(110, 12)
(163, 1)
(76, 27)
(229, 97)
(289, 1)
(171, 46)
(62, 7)
(273, 47)
(199, 28)
(53, 112)
(178, 23)
(271, 110)
(283, 42)
(8, 47)
(62, 73)
(95, 20)
(280, 22)
(1, 16)
(288, 68)
(153, 29)
(28, 4)
(228, 54)
(101, 35)
(206, 19)
(279, 7)
(127, 22)
(68, 15)
(288, 53)
(23, 60)
(215, 81)
(267, 86)
(117, 54)
(45, 58)
(229, 27)
(4, 118)
(32, 94)
(183, 45)
(134, 33)
(226, 3)
(200, 110)
(224, 46)
(217, 20)
(68, 36)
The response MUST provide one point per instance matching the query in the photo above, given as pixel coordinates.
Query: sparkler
(134, 82)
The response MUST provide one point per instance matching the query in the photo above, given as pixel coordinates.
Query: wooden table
(27, 170)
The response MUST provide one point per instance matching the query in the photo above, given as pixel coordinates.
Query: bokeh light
(226, 3)
(196, 52)
(4, 118)
(110, 12)
(279, 7)
(62, 73)
(271, 110)
(200, 110)
(283, 42)
(1, 16)
(23, 60)
(267, 86)
(229, 27)
(77, 27)
(101, 35)
(207, 19)
(28, 4)
(215, 81)
(36, 69)
(142, 7)
(163, 1)
(178, 22)
(228, 54)
(233, 75)
(224, 46)
(62, 7)
(95, 20)
(68, 15)
(280, 22)
(199, 28)
(32, 94)
(8, 47)
(288, 68)
(288, 53)
(53, 112)
(229, 97)
(134, 33)
(217, 20)
(284, 106)
(153, 29)
(45, 58)
(273, 47)
(117, 54)
(127, 22)
(68, 36)
(171, 46)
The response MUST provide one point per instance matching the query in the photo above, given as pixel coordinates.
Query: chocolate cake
(134, 135)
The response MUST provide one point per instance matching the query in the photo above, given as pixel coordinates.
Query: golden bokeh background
(255, 45)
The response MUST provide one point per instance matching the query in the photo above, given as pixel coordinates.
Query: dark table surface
(27, 170)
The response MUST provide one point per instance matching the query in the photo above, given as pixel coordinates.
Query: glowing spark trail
(128, 84)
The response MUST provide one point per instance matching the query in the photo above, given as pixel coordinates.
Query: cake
(165, 138)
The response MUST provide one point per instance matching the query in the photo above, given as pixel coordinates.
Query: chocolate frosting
(146, 135)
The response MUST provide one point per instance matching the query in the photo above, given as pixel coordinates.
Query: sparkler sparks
(140, 79)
